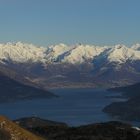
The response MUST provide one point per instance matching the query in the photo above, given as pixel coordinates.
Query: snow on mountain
(82, 53)
(136, 47)
(22, 53)
(19, 52)
(121, 54)
(43, 66)
(55, 51)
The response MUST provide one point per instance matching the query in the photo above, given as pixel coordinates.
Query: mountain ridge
(23, 52)
(63, 65)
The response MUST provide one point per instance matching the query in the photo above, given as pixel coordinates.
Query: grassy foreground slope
(11, 131)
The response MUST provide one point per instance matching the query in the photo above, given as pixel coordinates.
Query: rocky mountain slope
(63, 65)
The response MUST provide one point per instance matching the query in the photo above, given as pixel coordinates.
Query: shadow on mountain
(130, 109)
(11, 90)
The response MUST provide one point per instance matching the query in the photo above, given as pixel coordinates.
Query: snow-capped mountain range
(76, 54)
(76, 63)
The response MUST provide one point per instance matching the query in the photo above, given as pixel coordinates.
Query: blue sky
(45, 22)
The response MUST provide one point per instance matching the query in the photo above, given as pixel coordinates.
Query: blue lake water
(74, 106)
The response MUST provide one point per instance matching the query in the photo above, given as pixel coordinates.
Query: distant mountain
(11, 131)
(63, 65)
(130, 109)
(130, 91)
(11, 90)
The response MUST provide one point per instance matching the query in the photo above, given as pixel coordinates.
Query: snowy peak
(67, 64)
(61, 53)
(19, 52)
(82, 53)
(55, 51)
(136, 47)
(121, 53)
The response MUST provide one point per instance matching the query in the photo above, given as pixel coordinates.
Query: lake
(73, 106)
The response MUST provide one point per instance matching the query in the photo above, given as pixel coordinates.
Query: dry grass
(16, 132)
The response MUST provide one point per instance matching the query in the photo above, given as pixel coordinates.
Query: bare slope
(11, 131)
